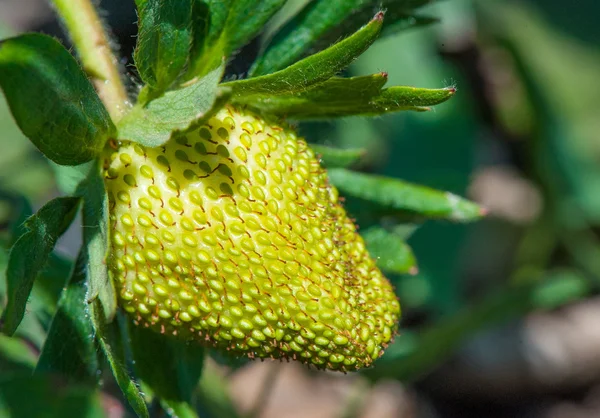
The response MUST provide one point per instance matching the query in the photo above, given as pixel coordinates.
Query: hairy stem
(93, 46)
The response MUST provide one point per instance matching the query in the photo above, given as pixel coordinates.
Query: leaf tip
(379, 16)
(451, 90)
(483, 211)
(413, 271)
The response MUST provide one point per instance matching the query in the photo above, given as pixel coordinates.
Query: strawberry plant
(207, 222)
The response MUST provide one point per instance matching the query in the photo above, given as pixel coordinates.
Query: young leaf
(109, 338)
(321, 23)
(30, 253)
(95, 238)
(164, 39)
(69, 347)
(171, 368)
(344, 97)
(391, 253)
(312, 70)
(51, 99)
(337, 157)
(154, 123)
(226, 26)
(400, 195)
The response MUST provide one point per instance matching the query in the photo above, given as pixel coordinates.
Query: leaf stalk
(92, 43)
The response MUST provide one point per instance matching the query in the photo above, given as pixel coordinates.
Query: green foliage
(95, 239)
(390, 251)
(51, 99)
(312, 70)
(170, 368)
(181, 55)
(69, 349)
(340, 97)
(322, 22)
(24, 396)
(154, 123)
(224, 26)
(336, 157)
(164, 38)
(109, 337)
(400, 195)
(30, 253)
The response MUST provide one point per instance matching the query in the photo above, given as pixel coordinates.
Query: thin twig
(93, 46)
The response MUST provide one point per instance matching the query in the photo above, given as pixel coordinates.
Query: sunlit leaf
(157, 121)
(314, 69)
(401, 195)
(51, 99)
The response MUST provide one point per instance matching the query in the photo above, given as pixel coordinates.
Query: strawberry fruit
(231, 235)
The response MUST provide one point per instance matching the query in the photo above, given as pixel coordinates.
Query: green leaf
(154, 123)
(400, 195)
(164, 39)
(391, 253)
(339, 97)
(314, 69)
(336, 157)
(69, 348)
(399, 15)
(95, 238)
(322, 22)
(23, 395)
(171, 368)
(109, 338)
(225, 27)
(17, 352)
(30, 254)
(51, 99)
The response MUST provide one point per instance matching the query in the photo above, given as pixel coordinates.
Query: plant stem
(92, 43)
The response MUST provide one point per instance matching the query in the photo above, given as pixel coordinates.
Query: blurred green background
(501, 319)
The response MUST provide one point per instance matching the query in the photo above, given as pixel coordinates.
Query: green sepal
(223, 26)
(389, 250)
(30, 253)
(110, 339)
(331, 157)
(95, 239)
(170, 367)
(164, 39)
(51, 99)
(321, 23)
(399, 195)
(340, 97)
(312, 70)
(69, 348)
(154, 123)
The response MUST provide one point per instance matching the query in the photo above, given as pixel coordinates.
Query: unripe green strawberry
(231, 235)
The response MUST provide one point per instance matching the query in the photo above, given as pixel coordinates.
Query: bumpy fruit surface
(232, 235)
